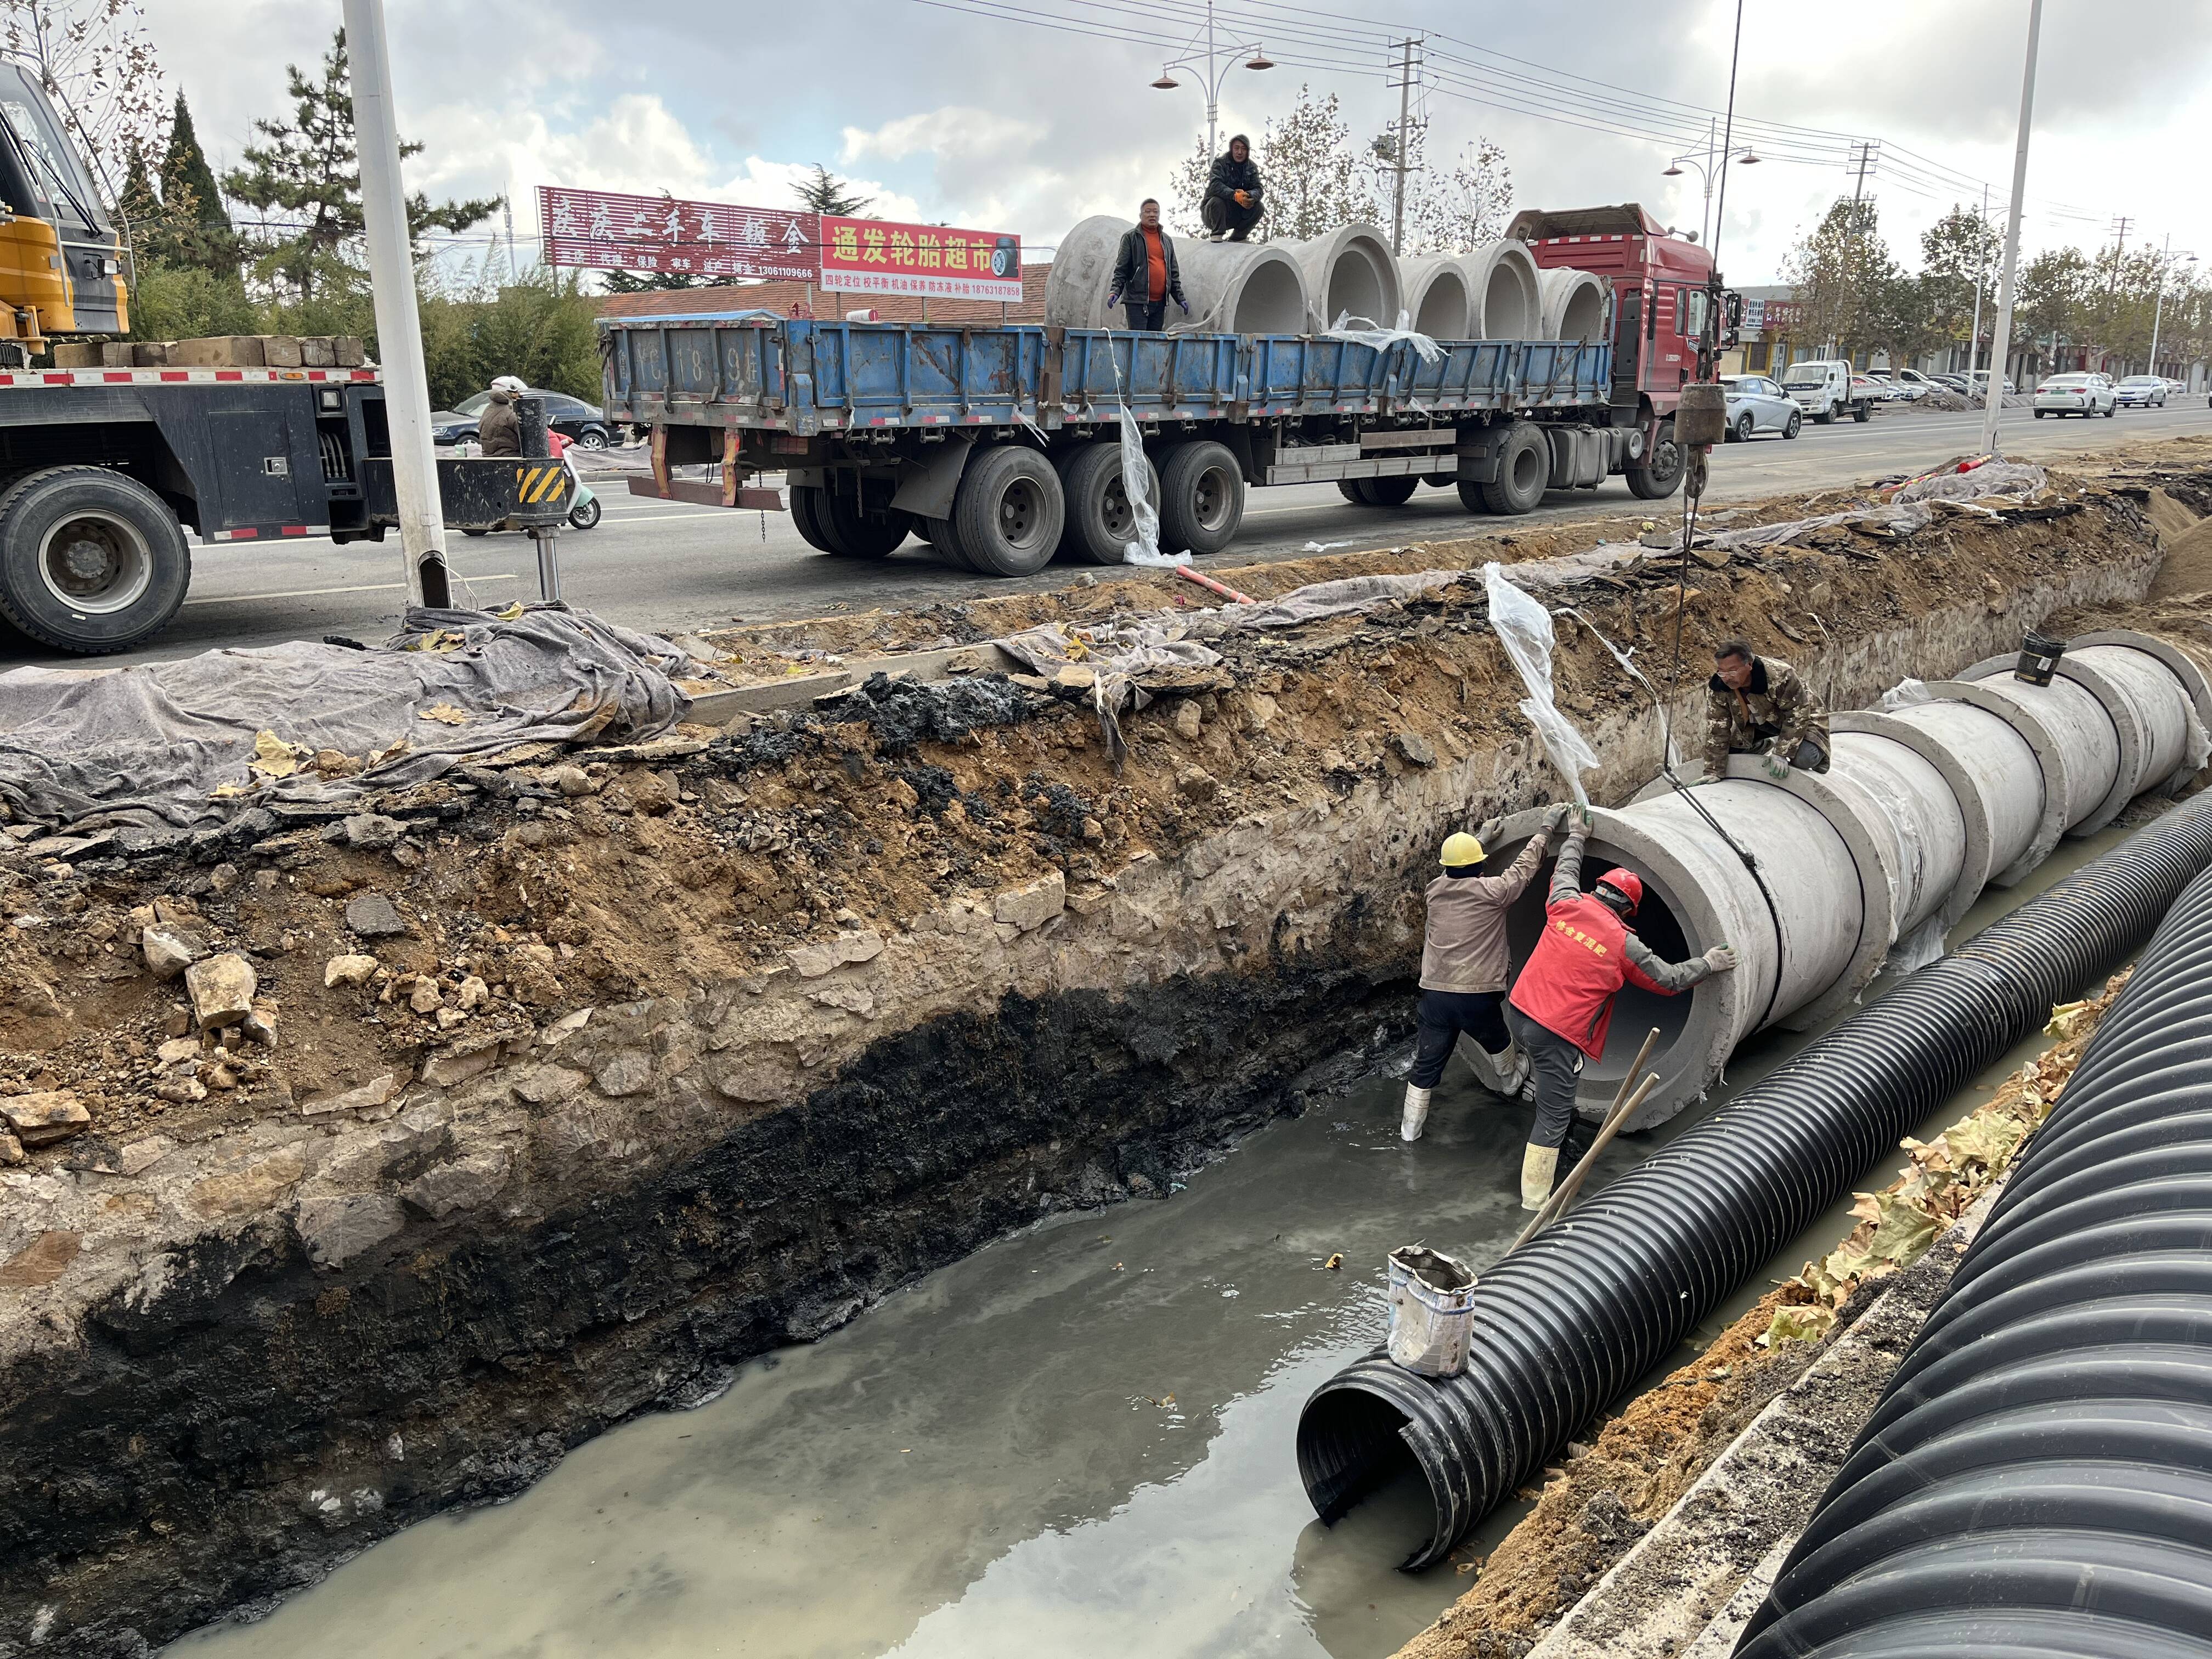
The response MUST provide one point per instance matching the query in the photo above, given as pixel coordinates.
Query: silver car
(2146, 390)
(1756, 404)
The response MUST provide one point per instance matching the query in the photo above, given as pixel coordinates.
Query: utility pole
(398, 326)
(1993, 400)
(1404, 141)
(2121, 226)
(2158, 310)
(1862, 158)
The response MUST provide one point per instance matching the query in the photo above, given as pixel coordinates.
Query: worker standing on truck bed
(1465, 966)
(1562, 1004)
(1145, 274)
(1233, 204)
(499, 429)
(1757, 705)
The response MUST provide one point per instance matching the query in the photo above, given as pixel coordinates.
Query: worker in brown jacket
(499, 427)
(1466, 965)
(1757, 705)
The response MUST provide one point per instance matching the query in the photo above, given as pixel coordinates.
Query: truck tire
(1100, 522)
(1862, 411)
(1387, 492)
(1470, 496)
(1664, 475)
(90, 560)
(1201, 498)
(858, 532)
(942, 536)
(1008, 512)
(1825, 418)
(1524, 468)
(1349, 488)
(805, 516)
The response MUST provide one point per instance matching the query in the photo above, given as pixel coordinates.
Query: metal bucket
(2039, 658)
(1431, 1311)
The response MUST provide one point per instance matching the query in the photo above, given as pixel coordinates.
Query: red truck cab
(1663, 286)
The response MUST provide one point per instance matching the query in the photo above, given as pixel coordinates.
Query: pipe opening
(1271, 300)
(1442, 315)
(1507, 308)
(1356, 288)
(1635, 1011)
(1352, 1449)
(1585, 317)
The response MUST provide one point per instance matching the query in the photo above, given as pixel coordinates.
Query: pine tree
(825, 192)
(193, 227)
(307, 173)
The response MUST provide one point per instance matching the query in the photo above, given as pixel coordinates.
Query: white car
(1756, 404)
(1915, 385)
(2076, 394)
(2148, 390)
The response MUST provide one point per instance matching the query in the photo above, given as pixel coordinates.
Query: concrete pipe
(1915, 814)
(2005, 772)
(1082, 273)
(1349, 272)
(1502, 284)
(1575, 305)
(1239, 287)
(2151, 708)
(1869, 742)
(2086, 733)
(1436, 298)
(2186, 673)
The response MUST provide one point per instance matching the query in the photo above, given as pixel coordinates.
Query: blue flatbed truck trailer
(1001, 446)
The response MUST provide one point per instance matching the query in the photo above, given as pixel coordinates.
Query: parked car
(1916, 384)
(2076, 394)
(1825, 387)
(1756, 404)
(1958, 383)
(585, 423)
(2176, 389)
(1979, 378)
(2146, 390)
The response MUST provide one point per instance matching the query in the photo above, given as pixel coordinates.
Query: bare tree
(97, 63)
(1459, 210)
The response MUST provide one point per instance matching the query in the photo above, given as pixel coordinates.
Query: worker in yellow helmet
(1465, 965)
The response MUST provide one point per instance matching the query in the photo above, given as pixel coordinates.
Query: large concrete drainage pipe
(2072, 718)
(1349, 272)
(1436, 298)
(1082, 273)
(1237, 287)
(1940, 829)
(1574, 304)
(1995, 776)
(1503, 285)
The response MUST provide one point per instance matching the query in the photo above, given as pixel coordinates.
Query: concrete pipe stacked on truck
(1575, 305)
(1239, 287)
(1081, 274)
(1821, 878)
(1350, 272)
(1503, 287)
(1437, 300)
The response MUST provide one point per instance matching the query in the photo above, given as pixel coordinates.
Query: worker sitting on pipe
(1562, 1004)
(1757, 706)
(1466, 966)
(1233, 201)
(1145, 274)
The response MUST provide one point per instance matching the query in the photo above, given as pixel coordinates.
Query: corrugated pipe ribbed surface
(2038, 1477)
(1566, 1324)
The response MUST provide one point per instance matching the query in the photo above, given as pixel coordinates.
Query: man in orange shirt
(1145, 274)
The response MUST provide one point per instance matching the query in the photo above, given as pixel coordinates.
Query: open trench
(405, 1272)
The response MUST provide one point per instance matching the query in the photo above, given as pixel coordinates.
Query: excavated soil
(644, 1061)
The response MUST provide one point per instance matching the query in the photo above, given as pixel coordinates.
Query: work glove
(1487, 831)
(1560, 814)
(1243, 198)
(1776, 768)
(1721, 959)
(1184, 303)
(1113, 298)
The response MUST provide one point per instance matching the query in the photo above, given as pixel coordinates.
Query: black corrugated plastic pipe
(1565, 1325)
(2037, 1476)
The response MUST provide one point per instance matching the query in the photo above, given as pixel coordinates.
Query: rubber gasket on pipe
(2049, 758)
(2182, 666)
(1564, 1325)
(1941, 905)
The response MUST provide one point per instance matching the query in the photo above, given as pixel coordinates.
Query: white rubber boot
(1417, 1114)
(1539, 1164)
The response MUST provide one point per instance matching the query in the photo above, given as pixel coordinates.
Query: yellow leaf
(445, 714)
(273, 757)
(1797, 1325)
(1903, 1232)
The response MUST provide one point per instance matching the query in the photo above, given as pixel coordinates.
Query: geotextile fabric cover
(151, 746)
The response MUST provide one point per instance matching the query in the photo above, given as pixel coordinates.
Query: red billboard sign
(603, 230)
(876, 256)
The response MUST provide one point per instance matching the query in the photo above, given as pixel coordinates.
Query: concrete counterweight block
(1349, 272)
(1502, 284)
(1577, 305)
(1436, 299)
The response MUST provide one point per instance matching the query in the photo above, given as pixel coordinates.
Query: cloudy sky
(1026, 115)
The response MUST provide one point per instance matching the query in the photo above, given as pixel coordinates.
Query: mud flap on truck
(926, 487)
(1480, 450)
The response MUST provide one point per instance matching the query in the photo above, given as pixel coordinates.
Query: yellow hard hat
(1461, 849)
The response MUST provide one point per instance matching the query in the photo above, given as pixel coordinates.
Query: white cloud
(955, 130)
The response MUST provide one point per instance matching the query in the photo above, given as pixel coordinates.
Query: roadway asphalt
(658, 566)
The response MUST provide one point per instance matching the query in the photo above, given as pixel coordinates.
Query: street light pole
(2158, 310)
(398, 326)
(1211, 78)
(1981, 276)
(1993, 400)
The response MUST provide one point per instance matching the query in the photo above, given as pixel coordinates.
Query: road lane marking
(320, 593)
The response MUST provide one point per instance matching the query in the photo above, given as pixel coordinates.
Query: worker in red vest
(1562, 1003)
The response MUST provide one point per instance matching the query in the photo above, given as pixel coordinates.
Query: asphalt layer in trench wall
(233, 1438)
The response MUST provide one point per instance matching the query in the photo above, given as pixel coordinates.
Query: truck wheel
(1201, 498)
(1008, 512)
(1663, 477)
(857, 532)
(90, 560)
(1862, 411)
(1349, 488)
(1101, 522)
(1524, 467)
(1387, 492)
(946, 541)
(1470, 496)
(806, 516)
(1825, 418)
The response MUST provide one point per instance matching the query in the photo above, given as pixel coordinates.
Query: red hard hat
(1627, 884)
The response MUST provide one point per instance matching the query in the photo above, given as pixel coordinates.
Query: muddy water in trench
(1076, 1442)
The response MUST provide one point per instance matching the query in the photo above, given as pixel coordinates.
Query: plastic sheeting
(1365, 331)
(149, 747)
(1524, 628)
(1136, 482)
